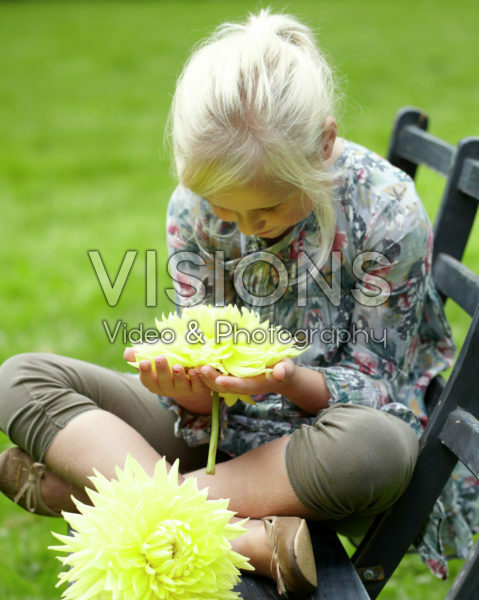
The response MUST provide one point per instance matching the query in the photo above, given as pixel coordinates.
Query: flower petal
(147, 538)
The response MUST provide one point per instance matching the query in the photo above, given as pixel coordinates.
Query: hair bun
(284, 26)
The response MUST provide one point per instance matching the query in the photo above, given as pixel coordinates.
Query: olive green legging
(352, 464)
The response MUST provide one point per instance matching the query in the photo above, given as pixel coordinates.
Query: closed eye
(270, 208)
(220, 212)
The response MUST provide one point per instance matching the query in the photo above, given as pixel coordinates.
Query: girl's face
(261, 211)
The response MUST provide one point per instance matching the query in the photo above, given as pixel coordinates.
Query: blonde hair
(249, 108)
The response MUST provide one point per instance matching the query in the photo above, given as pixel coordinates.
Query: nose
(249, 223)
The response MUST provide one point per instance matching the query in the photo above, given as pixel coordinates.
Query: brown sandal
(292, 563)
(20, 480)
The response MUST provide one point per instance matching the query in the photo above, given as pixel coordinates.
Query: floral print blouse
(374, 323)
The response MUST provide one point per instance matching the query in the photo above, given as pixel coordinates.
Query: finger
(164, 375)
(147, 377)
(238, 385)
(181, 382)
(228, 384)
(129, 354)
(279, 372)
(282, 370)
(198, 387)
(208, 374)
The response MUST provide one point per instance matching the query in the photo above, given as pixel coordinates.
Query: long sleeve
(377, 362)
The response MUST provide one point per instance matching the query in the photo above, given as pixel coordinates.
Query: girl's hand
(187, 389)
(303, 386)
(277, 381)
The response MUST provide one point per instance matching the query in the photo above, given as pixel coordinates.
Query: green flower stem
(215, 428)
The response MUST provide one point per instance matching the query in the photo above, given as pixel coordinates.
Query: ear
(330, 131)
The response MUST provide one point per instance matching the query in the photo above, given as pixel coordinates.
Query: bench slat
(457, 282)
(337, 577)
(469, 179)
(461, 435)
(253, 587)
(422, 148)
(466, 584)
(458, 209)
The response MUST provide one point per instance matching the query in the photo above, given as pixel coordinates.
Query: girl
(317, 234)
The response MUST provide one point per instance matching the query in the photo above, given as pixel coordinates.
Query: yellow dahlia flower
(233, 341)
(148, 538)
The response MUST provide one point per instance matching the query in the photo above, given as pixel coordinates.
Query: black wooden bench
(452, 432)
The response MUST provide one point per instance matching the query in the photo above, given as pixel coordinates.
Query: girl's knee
(351, 461)
(19, 365)
(10, 367)
(35, 401)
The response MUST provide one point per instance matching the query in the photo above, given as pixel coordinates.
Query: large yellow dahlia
(233, 341)
(148, 538)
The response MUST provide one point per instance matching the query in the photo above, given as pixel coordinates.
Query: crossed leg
(93, 418)
(124, 418)
(256, 483)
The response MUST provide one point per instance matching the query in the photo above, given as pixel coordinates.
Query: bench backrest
(452, 432)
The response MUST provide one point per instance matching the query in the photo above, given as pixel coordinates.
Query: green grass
(84, 92)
